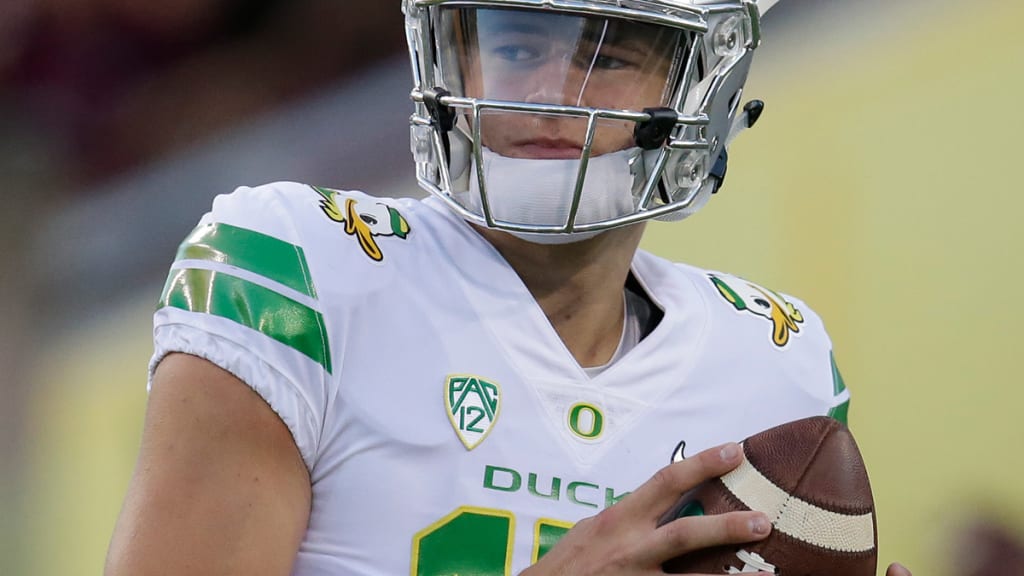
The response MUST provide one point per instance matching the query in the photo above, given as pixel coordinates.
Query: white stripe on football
(797, 518)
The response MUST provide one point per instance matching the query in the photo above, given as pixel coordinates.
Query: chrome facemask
(657, 82)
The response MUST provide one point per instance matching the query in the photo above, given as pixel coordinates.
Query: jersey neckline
(529, 340)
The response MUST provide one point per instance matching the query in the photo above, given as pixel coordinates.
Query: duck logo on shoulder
(749, 297)
(364, 219)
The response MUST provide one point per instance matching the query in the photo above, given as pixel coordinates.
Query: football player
(492, 380)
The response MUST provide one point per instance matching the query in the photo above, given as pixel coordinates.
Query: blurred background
(877, 187)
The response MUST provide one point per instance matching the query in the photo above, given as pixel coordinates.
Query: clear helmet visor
(548, 58)
(528, 169)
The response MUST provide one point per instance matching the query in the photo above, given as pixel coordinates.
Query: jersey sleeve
(824, 378)
(784, 333)
(240, 295)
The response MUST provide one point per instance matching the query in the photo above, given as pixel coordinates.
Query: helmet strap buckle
(651, 134)
(442, 114)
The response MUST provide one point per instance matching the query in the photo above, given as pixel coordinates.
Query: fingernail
(760, 526)
(729, 452)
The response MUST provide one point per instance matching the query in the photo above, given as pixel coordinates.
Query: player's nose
(554, 82)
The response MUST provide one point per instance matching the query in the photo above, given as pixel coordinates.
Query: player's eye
(606, 62)
(607, 57)
(516, 53)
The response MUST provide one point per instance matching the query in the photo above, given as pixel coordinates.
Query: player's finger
(662, 490)
(897, 569)
(685, 535)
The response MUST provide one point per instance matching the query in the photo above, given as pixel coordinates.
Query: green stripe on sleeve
(251, 305)
(258, 253)
(837, 379)
(840, 412)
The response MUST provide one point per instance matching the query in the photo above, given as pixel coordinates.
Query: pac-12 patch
(473, 405)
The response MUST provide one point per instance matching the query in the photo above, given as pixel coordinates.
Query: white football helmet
(558, 119)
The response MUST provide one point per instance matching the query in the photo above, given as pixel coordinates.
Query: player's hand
(625, 539)
(896, 569)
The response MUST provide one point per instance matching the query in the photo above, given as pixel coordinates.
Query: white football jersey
(446, 427)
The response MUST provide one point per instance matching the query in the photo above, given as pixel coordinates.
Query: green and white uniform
(446, 428)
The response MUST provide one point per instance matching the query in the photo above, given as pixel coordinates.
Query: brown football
(809, 477)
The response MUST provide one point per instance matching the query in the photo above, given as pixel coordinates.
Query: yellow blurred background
(878, 186)
(881, 186)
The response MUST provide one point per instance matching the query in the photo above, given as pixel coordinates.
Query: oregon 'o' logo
(586, 420)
